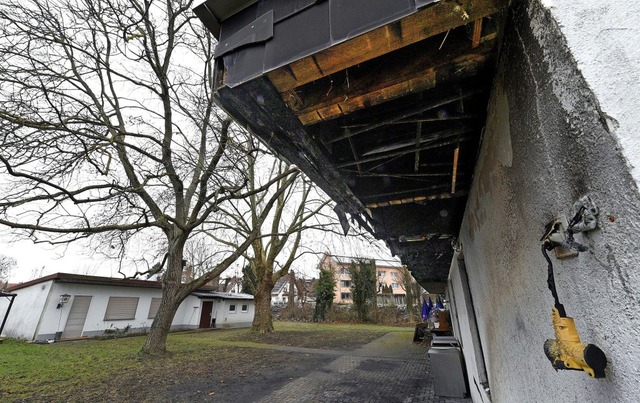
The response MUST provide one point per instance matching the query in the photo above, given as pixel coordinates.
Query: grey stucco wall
(547, 143)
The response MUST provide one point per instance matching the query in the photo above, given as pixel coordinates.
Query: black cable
(551, 280)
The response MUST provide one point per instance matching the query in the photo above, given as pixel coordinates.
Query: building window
(245, 308)
(232, 308)
(345, 295)
(394, 285)
(153, 309)
(381, 273)
(121, 308)
(345, 283)
(394, 274)
(344, 270)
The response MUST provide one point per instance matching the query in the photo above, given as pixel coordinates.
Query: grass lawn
(200, 363)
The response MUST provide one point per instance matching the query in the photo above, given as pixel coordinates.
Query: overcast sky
(40, 260)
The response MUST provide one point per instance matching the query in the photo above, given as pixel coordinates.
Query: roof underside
(381, 103)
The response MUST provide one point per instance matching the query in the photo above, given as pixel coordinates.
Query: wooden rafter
(353, 151)
(416, 199)
(426, 106)
(393, 81)
(416, 163)
(412, 190)
(430, 21)
(454, 174)
(400, 153)
(418, 141)
(477, 32)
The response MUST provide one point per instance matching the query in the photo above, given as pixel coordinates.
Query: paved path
(389, 369)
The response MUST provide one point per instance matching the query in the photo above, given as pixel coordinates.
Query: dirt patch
(345, 341)
(226, 374)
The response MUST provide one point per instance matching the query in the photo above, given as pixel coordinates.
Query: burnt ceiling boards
(380, 102)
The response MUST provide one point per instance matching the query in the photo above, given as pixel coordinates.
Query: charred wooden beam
(436, 136)
(454, 174)
(422, 120)
(353, 151)
(416, 164)
(400, 153)
(416, 199)
(396, 79)
(430, 21)
(433, 104)
(477, 32)
(397, 193)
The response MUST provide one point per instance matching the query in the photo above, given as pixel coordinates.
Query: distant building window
(345, 295)
(345, 283)
(232, 308)
(394, 274)
(121, 308)
(394, 285)
(381, 273)
(153, 309)
(245, 308)
(344, 270)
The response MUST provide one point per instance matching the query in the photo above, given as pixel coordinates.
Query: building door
(77, 316)
(205, 318)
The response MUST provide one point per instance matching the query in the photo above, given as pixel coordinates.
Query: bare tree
(412, 292)
(108, 128)
(299, 209)
(7, 264)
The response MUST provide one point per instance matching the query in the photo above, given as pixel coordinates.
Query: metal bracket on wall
(584, 215)
(559, 232)
(556, 233)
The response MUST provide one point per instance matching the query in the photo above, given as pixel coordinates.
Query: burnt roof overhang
(380, 102)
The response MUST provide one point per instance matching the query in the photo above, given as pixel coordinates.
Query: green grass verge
(55, 370)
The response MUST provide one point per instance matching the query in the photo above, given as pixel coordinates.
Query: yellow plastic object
(566, 351)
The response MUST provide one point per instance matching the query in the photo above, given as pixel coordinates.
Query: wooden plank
(454, 174)
(477, 31)
(432, 20)
(400, 153)
(425, 82)
(431, 104)
(416, 199)
(392, 82)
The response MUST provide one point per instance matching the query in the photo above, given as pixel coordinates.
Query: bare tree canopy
(7, 264)
(108, 127)
(299, 209)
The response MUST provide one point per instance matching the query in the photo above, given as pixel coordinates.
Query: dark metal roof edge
(223, 295)
(298, 149)
(69, 278)
(212, 15)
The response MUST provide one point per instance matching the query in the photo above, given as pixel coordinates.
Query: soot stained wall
(547, 144)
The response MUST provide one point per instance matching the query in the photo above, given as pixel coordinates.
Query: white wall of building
(26, 310)
(227, 318)
(35, 316)
(549, 141)
(603, 39)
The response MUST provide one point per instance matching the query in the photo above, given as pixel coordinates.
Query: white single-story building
(66, 306)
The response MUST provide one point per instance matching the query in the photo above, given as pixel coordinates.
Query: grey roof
(222, 295)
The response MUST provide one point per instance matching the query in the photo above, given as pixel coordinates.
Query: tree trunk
(262, 321)
(172, 297)
(292, 295)
(156, 343)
